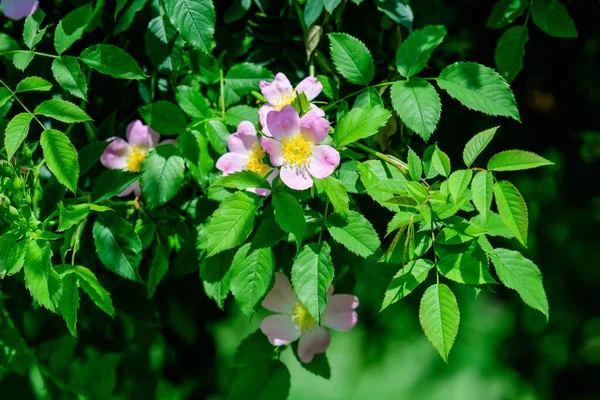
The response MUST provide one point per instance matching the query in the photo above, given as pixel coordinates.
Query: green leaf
(396, 10)
(89, 283)
(368, 98)
(512, 209)
(71, 215)
(217, 134)
(381, 181)
(312, 274)
(251, 276)
(459, 182)
(510, 52)
(194, 147)
(237, 114)
(22, 60)
(245, 77)
(33, 83)
(163, 44)
(70, 29)
(237, 10)
(330, 88)
(301, 104)
(232, 222)
(111, 60)
(360, 123)
(331, 5)
(126, 19)
(439, 317)
(515, 160)
(336, 193)
(477, 144)
(312, 11)
(164, 117)
(441, 162)
(158, 268)
(192, 102)
(408, 247)
(67, 72)
(69, 301)
(216, 276)
(465, 263)
(494, 225)
(195, 20)
(5, 95)
(351, 58)
(254, 348)
(242, 180)
(413, 54)
(265, 380)
(120, 5)
(482, 192)
(163, 171)
(319, 365)
(505, 12)
(479, 88)
(61, 157)
(41, 279)
(552, 17)
(62, 110)
(12, 254)
(418, 105)
(518, 273)
(458, 231)
(16, 131)
(268, 234)
(355, 232)
(117, 245)
(112, 182)
(289, 215)
(405, 281)
(31, 33)
(400, 219)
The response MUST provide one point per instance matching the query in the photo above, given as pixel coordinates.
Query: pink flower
(129, 155)
(19, 9)
(245, 153)
(280, 93)
(294, 322)
(295, 147)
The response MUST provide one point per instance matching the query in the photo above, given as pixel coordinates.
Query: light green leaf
(237, 114)
(415, 167)
(62, 110)
(31, 33)
(381, 181)
(67, 72)
(465, 263)
(405, 281)
(265, 380)
(482, 192)
(195, 20)
(354, 232)
(510, 52)
(16, 131)
(245, 77)
(163, 171)
(359, 123)
(242, 180)
(351, 58)
(552, 17)
(515, 160)
(458, 231)
(477, 144)
(12, 254)
(216, 276)
(164, 117)
(71, 215)
(158, 268)
(312, 274)
(5, 95)
(418, 105)
(192, 102)
(330, 88)
(112, 182)
(120, 5)
(336, 193)
(117, 245)
(441, 162)
(439, 317)
(368, 98)
(89, 283)
(33, 83)
(459, 182)
(479, 88)
(217, 134)
(69, 301)
(413, 54)
(312, 11)
(290, 215)
(494, 225)
(71, 28)
(400, 219)
(512, 209)
(194, 147)
(505, 12)
(41, 279)
(61, 158)
(111, 60)
(22, 60)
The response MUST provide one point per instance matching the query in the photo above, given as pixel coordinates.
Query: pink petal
(274, 149)
(19, 9)
(313, 341)
(284, 123)
(313, 127)
(329, 290)
(134, 187)
(231, 162)
(141, 135)
(115, 154)
(242, 141)
(168, 141)
(323, 162)
(280, 329)
(274, 90)
(339, 313)
(262, 117)
(310, 86)
(320, 113)
(295, 178)
(281, 297)
(262, 191)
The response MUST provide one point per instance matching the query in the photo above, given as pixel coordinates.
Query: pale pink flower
(246, 153)
(129, 155)
(280, 93)
(293, 321)
(19, 9)
(295, 147)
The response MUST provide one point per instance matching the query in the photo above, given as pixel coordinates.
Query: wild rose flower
(295, 147)
(245, 153)
(19, 9)
(280, 93)
(294, 322)
(129, 155)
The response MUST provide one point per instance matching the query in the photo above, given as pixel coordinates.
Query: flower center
(255, 160)
(297, 150)
(135, 158)
(284, 100)
(302, 317)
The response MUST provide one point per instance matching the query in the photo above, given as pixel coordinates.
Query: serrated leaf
(479, 88)
(237, 10)
(510, 52)
(439, 317)
(398, 11)
(117, 245)
(71, 215)
(111, 60)
(112, 182)
(312, 11)
(458, 231)
(254, 348)
(494, 225)
(336, 193)
(214, 272)
(5, 95)
(67, 72)
(330, 88)
(477, 144)
(61, 158)
(90, 285)
(354, 232)
(428, 169)
(16, 131)
(413, 54)
(22, 60)
(459, 182)
(237, 114)
(162, 45)
(126, 19)
(62, 110)
(351, 58)
(405, 281)
(400, 219)
(512, 209)
(42, 281)
(242, 180)
(192, 102)
(465, 263)
(217, 134)
(32, 25)
(290, 215)
(33, 83)
(245, 77)
(415, 167)
(381, 181)
(408, 246)
(482, 192)
(368, 98)
(195, 20)
(164, 117)
(418, 105)
(158, 268)
(265, 380)
(312, 274)
(359, 123)
(441, 162)
(69, 301)
(163, 171)
(268, 234)
(70, 29)
(552, 17)
(12, 254)
(505, 12)
(515, 160)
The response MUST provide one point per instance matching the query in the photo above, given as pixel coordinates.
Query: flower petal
(313, 341)
(274, 149)
(141, 135)
(284, 123)
(231, 162)
(339, 313)
(280, 86)
(133, 188)
(310, 86)
(280, 329)
(116, 153)
(262, 117)
(19, 9)
(323, 162)
(281, 297)
(320, 113)
(296, 178)
(313, 127)
(242, 141)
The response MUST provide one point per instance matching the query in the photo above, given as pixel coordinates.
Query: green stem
(222, 88)
(385, 157)
(258, 96)
(357, 93)
(27, 51)
(324, 218)
(13, 94)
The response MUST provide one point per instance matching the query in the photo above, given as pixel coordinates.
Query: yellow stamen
(135, 158)
(284, 100)
(255, 160)
(297, 150)
(302, 317)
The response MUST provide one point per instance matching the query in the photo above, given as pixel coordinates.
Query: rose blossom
(19, 9)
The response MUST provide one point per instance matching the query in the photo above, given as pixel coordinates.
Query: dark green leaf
(552, 17)
(510, 52)
(117, 245)
(111, 60)
(16, 131)
(61, 158)
(414, 53)
(71, 28)
(164, 117)
(163, 171)
(112, 182)
(194, 19)
(67, 72)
